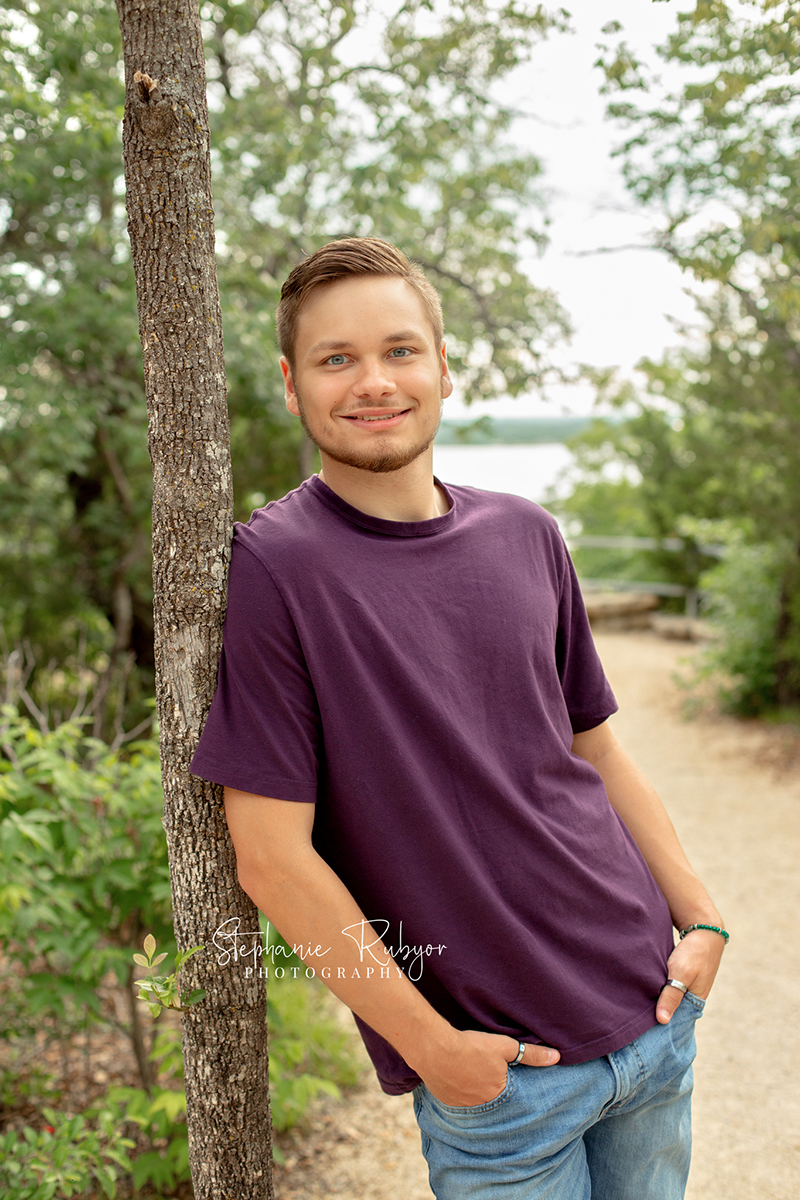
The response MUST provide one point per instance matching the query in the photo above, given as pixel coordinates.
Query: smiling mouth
(383, 417)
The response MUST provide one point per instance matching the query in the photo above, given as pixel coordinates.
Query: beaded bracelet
(711, 928)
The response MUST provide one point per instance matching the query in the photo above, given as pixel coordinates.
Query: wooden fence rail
(609, 542)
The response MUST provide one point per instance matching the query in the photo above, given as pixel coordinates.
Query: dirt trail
(740, 825)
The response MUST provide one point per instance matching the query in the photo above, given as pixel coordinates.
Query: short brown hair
(340, 260)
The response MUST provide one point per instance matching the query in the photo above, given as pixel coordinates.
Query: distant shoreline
(509, 431)
(525, 469)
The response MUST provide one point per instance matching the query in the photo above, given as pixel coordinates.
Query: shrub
(83, 874)
(742, 596)
(83, 864)
(64, 1158)
(310, 1050)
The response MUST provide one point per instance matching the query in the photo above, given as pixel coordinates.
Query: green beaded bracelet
(711, 928)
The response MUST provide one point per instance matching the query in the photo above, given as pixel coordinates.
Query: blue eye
(336, 360)
(401, 350)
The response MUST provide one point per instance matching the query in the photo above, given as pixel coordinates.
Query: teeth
(387, 417)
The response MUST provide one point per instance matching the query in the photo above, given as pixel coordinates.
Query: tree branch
(475, 292)
(117, 473)
(772, 328)
(611, 249)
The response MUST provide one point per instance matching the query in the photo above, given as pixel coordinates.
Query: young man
(411, 729)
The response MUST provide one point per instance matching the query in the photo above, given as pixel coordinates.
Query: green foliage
(74, 470)
(715, 435)
(84, 872)
(633, 478)
(310, 1050)
(327, 119)
(160, 1118)
(64, 1160)
(130, 1134)
(508, 431)
(83, 864)
(161, 991)
(25, 1083)
(72, 1152)
(314, 138)
(743, 601)
(728, 136)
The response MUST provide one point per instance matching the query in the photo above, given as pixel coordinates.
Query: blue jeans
(615, 1128)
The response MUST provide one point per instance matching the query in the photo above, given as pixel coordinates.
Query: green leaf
(172, 1103)
(183, 955)
(193, 997)
(152, 1168)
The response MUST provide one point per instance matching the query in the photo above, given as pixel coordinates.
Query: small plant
(83, 868)
(64, 1159)
(161, 991)
(310, 1051)
(161, 1119)
(742, 604)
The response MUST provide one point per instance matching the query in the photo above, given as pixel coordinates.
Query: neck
(409, 494)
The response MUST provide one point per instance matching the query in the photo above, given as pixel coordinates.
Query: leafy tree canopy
(718, 163)
(328, 119)
(717, 435)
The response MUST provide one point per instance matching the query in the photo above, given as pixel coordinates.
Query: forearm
(308, 904)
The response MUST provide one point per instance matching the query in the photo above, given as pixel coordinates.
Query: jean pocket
(695, 1001)
(475, 1109)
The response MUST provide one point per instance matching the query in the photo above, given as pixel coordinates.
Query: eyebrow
(405, 335)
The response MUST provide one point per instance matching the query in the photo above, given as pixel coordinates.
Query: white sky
(619, 304)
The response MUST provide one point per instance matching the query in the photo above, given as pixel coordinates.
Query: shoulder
(507, 509)
(501, 503)
(283, 525)
(516, 533)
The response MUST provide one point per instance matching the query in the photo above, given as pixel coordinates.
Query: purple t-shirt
(421, 682)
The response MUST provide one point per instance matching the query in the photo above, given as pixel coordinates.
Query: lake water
(524, 470)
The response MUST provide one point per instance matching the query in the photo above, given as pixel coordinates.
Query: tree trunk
(171, 225)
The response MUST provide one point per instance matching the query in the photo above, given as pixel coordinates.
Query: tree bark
(171, 226)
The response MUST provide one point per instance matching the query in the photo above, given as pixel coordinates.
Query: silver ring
(520, 1053)
(676, 983)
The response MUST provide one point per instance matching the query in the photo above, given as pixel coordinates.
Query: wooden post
(171, 226)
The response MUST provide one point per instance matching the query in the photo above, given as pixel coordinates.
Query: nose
(374, 380)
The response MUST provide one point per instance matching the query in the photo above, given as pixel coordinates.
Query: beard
(379, 461)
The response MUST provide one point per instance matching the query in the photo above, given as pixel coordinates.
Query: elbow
(266, 878)
(272, 841)
(247, 878)
(254, 872)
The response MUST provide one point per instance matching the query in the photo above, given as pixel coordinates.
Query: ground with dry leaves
(732, 789)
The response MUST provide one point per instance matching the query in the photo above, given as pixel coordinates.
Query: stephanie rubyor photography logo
(376, 956)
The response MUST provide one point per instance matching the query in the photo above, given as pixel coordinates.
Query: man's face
(369, 380)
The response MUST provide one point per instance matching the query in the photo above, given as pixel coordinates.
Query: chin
(380, 461)
(380, 465)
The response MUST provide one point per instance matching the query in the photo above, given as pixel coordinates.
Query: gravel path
(740, 824)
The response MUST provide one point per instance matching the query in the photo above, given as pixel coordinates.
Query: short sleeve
(587, 692)
(262, 734)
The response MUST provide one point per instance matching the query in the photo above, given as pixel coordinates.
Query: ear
(291, 394)
(447, 383)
